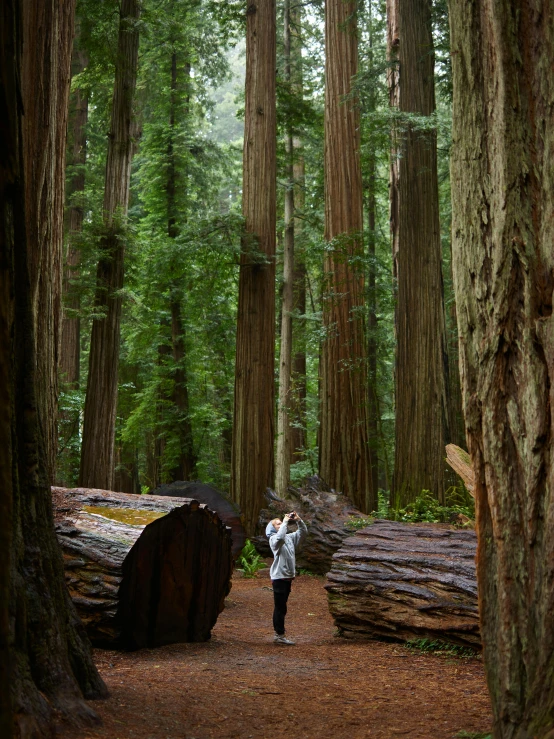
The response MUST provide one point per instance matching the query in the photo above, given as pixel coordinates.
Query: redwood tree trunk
(344, 453)
(97, 453)
(45, 85)
(421, 378)
(46, 663)
(297, 441)
(503, 200)
(185, 469)
(253, 422)
(71, 324)
(283, 452)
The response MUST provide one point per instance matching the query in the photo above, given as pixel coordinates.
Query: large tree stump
(399, 581)
(327, 515)
(227, 511)
(143, 570)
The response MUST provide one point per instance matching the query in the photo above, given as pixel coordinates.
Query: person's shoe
(282, 639)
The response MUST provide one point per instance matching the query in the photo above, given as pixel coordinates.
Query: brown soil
(241, 685)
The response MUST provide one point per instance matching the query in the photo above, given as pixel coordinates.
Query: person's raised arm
(302, 531)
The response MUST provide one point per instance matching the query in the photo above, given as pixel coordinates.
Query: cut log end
(142, 570)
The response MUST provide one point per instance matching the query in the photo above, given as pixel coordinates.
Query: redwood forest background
(250, 243)
(182, 242)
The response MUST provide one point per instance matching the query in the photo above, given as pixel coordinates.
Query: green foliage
(356, 523)
(437, 647)
(427, 508)
(249, 560)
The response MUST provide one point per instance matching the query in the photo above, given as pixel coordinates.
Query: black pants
(281, 592)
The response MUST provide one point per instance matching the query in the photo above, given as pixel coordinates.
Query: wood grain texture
(143, 570)
(401, 581)
(227, 511)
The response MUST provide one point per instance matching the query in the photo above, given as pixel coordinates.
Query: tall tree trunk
(185, 469)
(503, 200)
(345, 459)
(46, 662)
(45, 98)
(298, 390)
(186, 465)
(421, 377)
(71, 325)
(374, 436)
(283, 452)
(97, 453)
(253, 419)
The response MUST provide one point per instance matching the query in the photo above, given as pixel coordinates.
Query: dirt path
(241, 685)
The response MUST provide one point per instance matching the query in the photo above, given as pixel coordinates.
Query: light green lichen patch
(135, 516)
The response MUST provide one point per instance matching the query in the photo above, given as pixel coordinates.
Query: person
(283, 570)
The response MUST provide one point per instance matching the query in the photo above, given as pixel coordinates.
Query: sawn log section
(403, 581)
(143, 570)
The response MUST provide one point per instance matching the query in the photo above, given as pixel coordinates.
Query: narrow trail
(241, 685)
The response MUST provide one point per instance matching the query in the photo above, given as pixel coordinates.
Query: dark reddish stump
(142, 570)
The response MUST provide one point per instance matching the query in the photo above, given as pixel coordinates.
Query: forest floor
(239, 684)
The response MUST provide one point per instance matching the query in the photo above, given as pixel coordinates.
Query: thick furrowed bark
(421, 378)
(97, 453)
(503, 192)
(344, 452)
(253, 424)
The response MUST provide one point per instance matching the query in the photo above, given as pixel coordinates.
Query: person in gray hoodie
(283, 570)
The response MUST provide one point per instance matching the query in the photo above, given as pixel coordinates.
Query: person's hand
(293, 515)
(286, 518)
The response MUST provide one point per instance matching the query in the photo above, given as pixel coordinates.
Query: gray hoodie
(283, 546)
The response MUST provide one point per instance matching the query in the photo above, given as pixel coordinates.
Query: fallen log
(143, 571)
(327, 515)
(227, 511)
(401, 581)
(460, 462)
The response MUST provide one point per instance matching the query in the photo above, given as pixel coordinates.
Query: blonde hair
(274, 520)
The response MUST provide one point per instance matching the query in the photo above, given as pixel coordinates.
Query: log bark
(227, 511)
(326, 515)
(460, 462)
(143, 571)
(400, 582)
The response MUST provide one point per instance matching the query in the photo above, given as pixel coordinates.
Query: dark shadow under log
(143, 570)
(401, 581)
